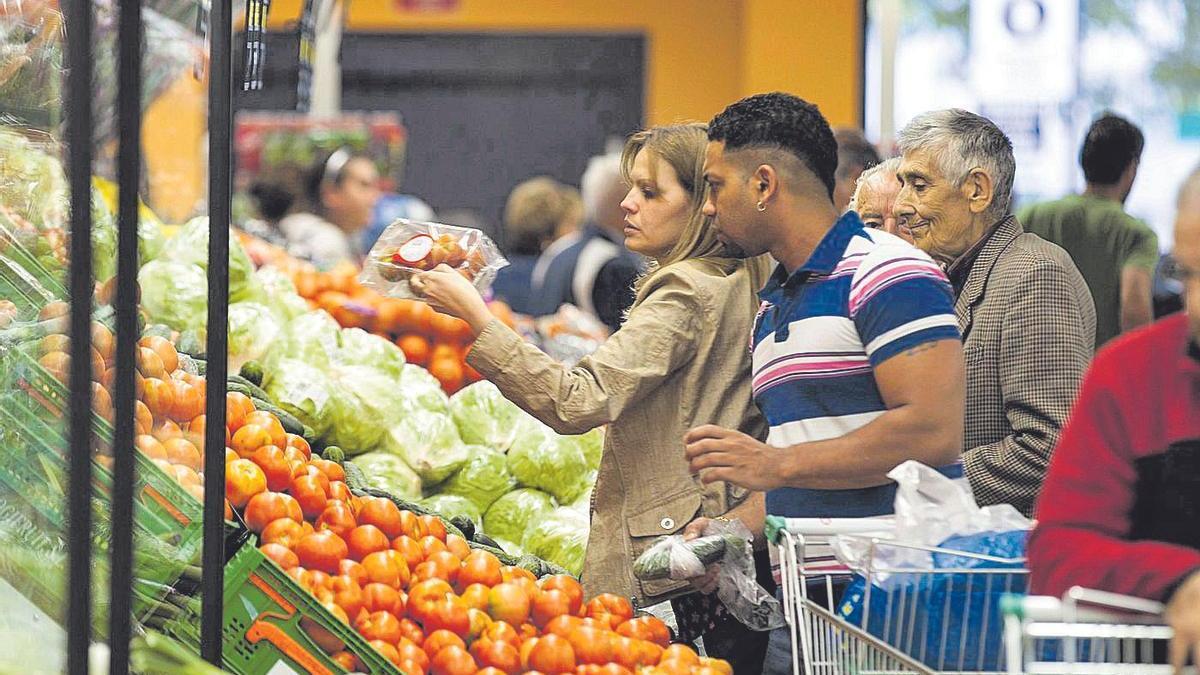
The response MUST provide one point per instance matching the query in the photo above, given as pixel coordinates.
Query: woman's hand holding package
(451, 293)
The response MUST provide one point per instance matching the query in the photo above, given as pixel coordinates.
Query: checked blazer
(1028, 325)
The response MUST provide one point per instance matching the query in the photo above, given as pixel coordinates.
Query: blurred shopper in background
(1023, 308)
(592, 270)
(855, 155)
(875, 198)
(341, 189)
(1122, 499)
(1115, 252)
(539, 212)
(679, 360)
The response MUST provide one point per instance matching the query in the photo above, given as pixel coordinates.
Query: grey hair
(960, 141)
(882, 171)
(1189, 188)
(603, 172)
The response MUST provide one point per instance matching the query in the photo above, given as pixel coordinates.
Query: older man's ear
(978, 190)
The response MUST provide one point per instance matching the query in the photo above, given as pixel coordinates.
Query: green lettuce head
(175, 294)
(360, 348)
(389, 473)
(423, 390)
(483, 480)
(275, 289)
(252, 330)
(542, 459)
(449, 506)
(371, 399)
(511, 515)
(485, 417)
(560, 537)
(429, 443)
(304, 391)
(190, 244)
(310, 338)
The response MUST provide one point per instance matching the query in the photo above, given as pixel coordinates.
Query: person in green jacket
(1115, 252)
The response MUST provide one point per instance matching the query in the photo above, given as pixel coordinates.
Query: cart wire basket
(1086, 631)
(889, 618)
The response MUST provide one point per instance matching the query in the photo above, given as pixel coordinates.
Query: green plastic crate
(263, 631)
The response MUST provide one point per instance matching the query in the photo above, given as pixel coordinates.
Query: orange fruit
(416, 348)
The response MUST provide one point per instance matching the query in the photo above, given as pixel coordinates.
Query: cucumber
(257, 391)
(252, 371)
(656, 564)
(334, 454)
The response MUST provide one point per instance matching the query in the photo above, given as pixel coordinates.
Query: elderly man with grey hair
(874, 198)
(1025, 312)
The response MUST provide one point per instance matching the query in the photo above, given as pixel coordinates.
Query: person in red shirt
(1120, 509)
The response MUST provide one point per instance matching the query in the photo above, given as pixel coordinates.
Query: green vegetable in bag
(542, 459)
(512, 514)
(252, 330)
(429, 443)
(560, 537)
(360, 348)
(370, 401)
(485, 417)
(175, 294)
(655, 563)
(451, 506)
(388, 472)
(190, 245)
(305, 392)
(310, 338)
(483, 480)
(423, 390)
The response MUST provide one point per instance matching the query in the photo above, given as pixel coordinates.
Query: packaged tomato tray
(409, 247)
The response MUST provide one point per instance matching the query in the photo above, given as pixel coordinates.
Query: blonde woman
(680, 359)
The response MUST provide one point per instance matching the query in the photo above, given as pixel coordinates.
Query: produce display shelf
(268, 618)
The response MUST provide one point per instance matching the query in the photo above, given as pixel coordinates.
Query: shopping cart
(1086, 631)
(944, 619)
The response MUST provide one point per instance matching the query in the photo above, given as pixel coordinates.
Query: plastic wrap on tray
(409, 247)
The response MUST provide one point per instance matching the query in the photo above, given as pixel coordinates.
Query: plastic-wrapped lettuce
(429, 443)
(542, 459)
(422, 390)
(104, 239)
(304, 391)
(275, 289)
(512, 514)
(449, 506)
(370, 400)
(592, 445)
(252, 329)
(560, 537)
(360, 348)
(32, 180)
(388, 472)
(309, 338)
(190, 245)
(175, 294)
(485, 417)
(483, 479)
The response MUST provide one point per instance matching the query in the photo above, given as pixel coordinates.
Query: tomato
(611, 609)
(159, 397)
(365, 540)
(354, 570)
(382, 513)
(434, 526)
(441, 639)
(591, 644)
(501, 631)
(382, 598)
(265, 508)
(339, 491)
(431, 544)
(185, 475)
(180, 451)
(250, 437)
(284, 531)
(338, 518)
(380, 626)
(162, 347)
(530, 587)
(562, 625)
(150, 446)
(346, 661)
(411, 526)
(142, 418)
(410, 667)
(237, 406)
(475, 596)
(682, 654)
(480, 567)
(332, 470)
(197, 428)
(448, 613)
(271, 423)
(412, 631)
(509, 603)
(298, 442)
(411, 650)
(189, 403)
(282, 555)
(551, 654)
(383, 569)
(430, 570)
(243, 480)
(448, 372)
(548, 605)
(567, 584)
(448, 562)
(415, 348)
(648, 628)
(271, 460)
(149, 364)
(458, 546)
(321, 551)
(718, 665)
(453, 660)
(312, 497)
(423, 594)
(387, 651)
(166, 431)
(410, 549)
(501, 655)
(511, 572)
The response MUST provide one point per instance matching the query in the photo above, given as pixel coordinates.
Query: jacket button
(667, 524)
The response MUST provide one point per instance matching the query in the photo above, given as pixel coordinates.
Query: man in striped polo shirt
(857, 363)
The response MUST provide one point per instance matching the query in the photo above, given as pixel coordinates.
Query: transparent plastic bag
(410, 247)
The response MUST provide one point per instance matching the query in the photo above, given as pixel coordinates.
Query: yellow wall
(701, 56)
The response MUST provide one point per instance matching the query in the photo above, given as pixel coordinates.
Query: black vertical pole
(129, 125)
(220, 131)
(79, 501)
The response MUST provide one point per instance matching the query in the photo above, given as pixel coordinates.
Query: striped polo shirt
(863, 296)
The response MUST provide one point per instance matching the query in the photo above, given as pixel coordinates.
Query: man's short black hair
(783, 121)
(1111, 145)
